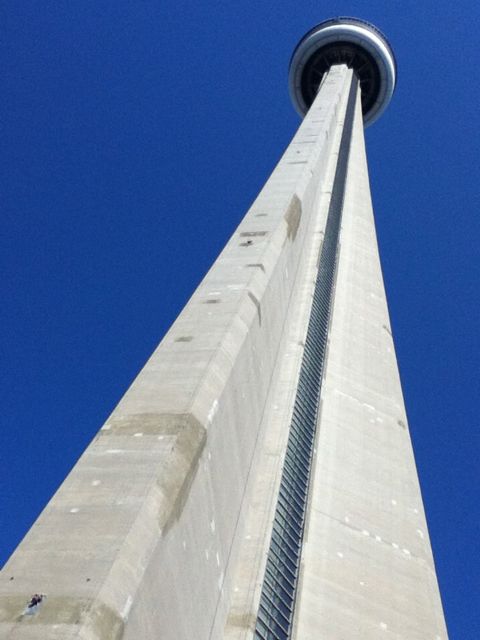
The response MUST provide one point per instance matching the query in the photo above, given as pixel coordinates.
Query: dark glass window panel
(278, 593)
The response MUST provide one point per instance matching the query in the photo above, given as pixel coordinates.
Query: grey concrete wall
(142, 538)
(367, 567)
(247, 581)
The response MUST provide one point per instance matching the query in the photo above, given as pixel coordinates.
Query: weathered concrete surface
(248, 577)
(162, 528)
(142, 538)
(367, 567)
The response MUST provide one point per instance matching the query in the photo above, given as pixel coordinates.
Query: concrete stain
(105, 623)
(176, 476)
(177, 471)
(256, 302)
(242, 620)
(293, 217)
(150, 424)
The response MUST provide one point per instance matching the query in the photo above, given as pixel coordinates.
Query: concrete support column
(367, 566)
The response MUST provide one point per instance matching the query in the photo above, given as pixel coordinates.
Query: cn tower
(257, 480)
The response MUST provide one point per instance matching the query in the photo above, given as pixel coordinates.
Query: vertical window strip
(277, 605)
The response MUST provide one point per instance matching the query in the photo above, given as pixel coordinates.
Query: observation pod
(351, 41)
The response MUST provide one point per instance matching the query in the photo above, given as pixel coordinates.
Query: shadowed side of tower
(257, 478)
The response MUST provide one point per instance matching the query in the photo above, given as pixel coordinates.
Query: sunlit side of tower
(257, 480)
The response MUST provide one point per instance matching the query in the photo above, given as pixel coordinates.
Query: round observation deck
(350, 41)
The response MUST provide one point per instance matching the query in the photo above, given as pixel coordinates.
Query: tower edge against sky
(165, 522)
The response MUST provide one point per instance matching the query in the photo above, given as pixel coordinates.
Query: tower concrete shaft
(367, 565)
(168, 526)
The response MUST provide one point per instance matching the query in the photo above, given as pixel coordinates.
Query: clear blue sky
(135, 136)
